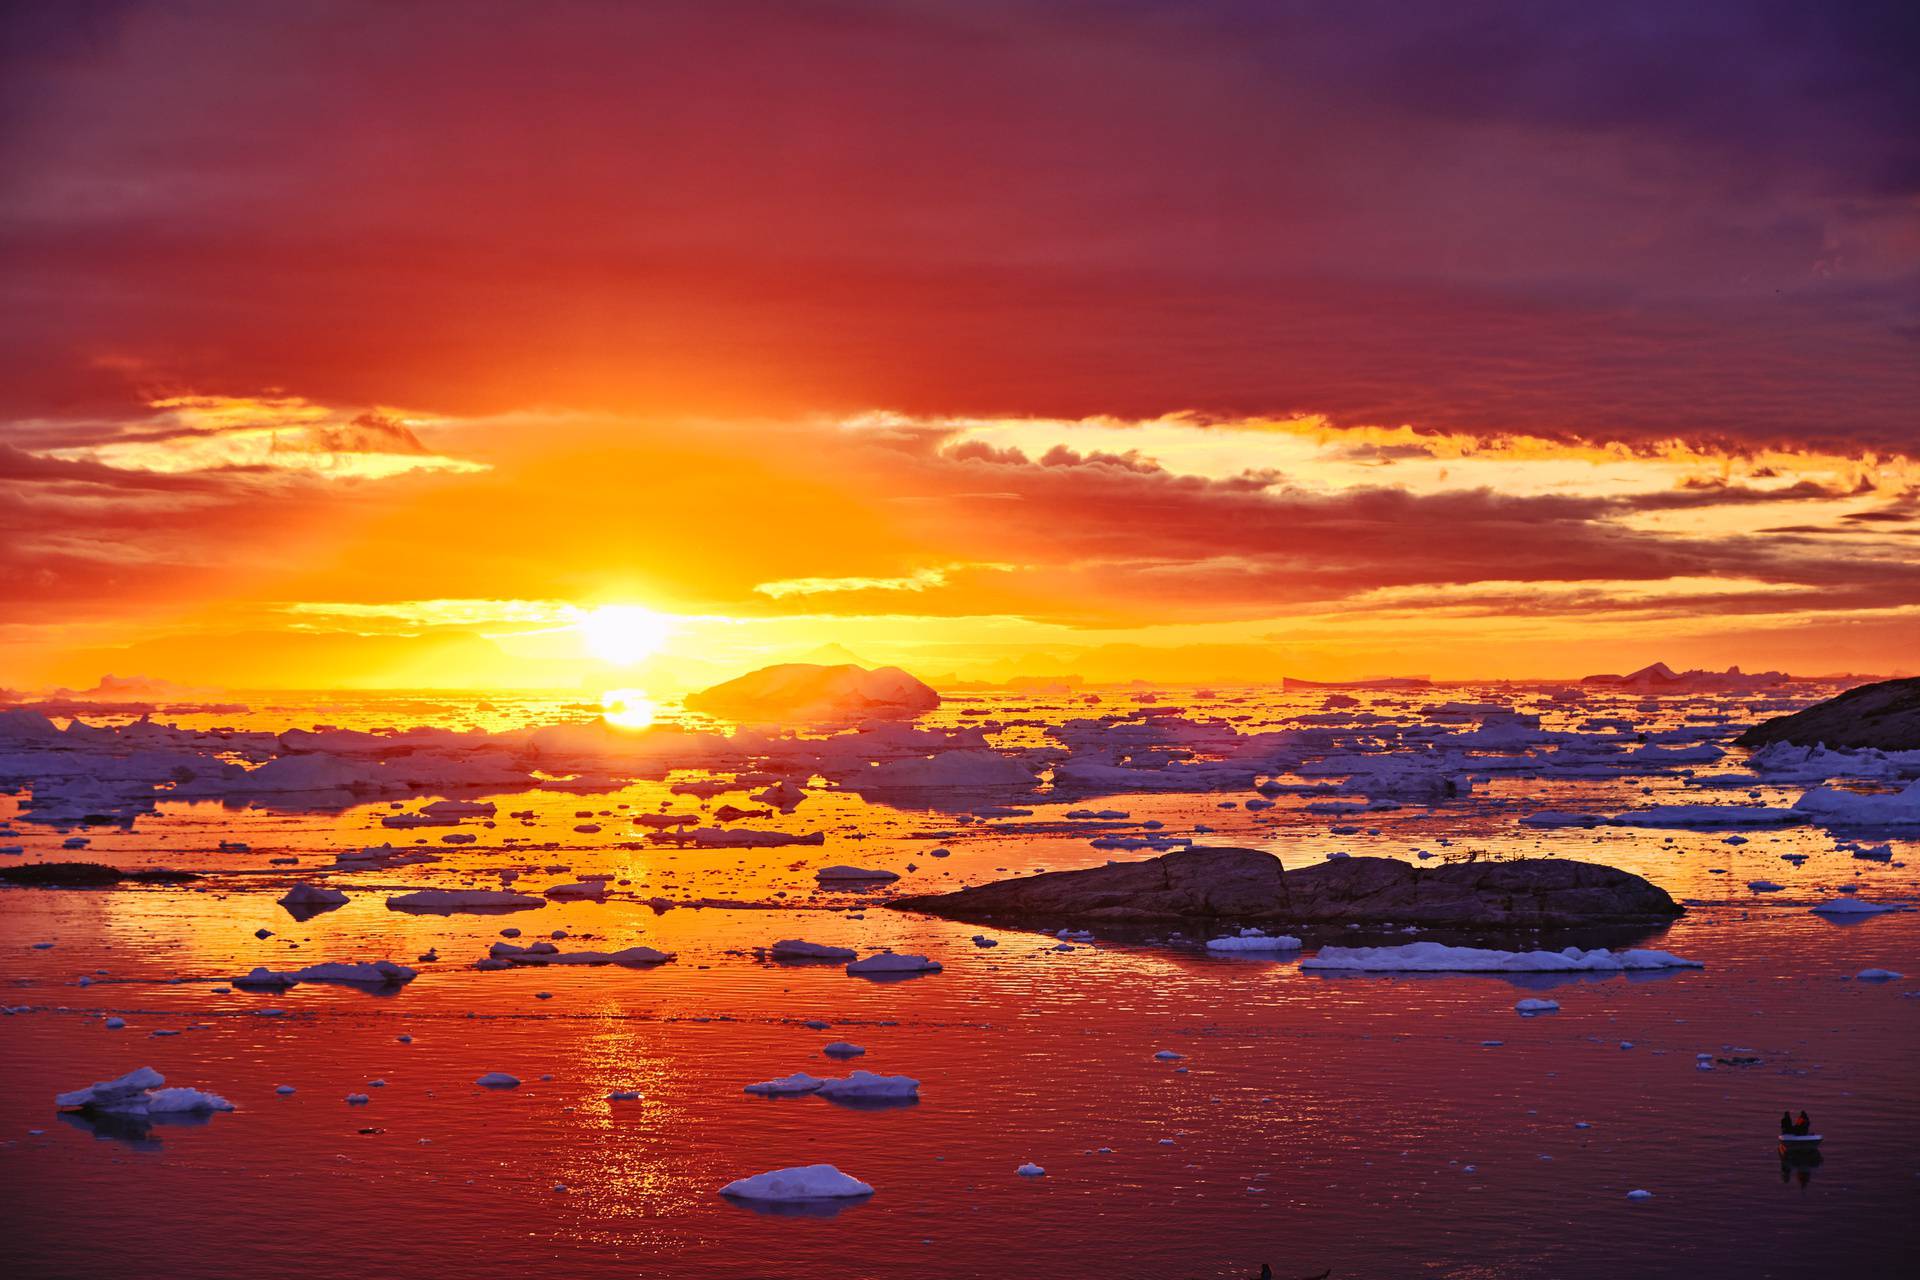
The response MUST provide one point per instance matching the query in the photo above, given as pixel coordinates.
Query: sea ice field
(489, 987)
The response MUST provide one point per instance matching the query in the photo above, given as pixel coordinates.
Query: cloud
(199, 433)
(1631, 221)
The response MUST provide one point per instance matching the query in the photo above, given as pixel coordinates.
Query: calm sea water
(1377, 1126)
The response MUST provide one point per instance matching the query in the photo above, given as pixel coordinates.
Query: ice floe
(889, 962)
(1254, 940)
(450, 900)
(798, 949)
(1434, 957)
(140, 1092)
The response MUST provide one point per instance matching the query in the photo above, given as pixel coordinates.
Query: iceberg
(802, 1182)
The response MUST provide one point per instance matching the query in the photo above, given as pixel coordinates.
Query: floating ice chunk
(1168, 1055)
(283, 1089)
(842, 872)
(590, 888)
(1532, 1006)
(447, 900)
(1707, 816)
(798, 949)
(884, 962)
(502, 954)
(371, 973)
(802, 1182)
(843, 1049)
(982, 940)
(376, 973)
(358, 1099)
(114, 1024)
(1878, 975)
(128, 1093)
(984, 769)
(1434, 957)
(624, 1095)
(498, 1080)
(865, 1086)
(740, 838)
(1030, 1170)
(312, 896)
(797, 1083)
(1765, 886)
(1639, 1195)
(1255, 942)
(184, 1101)
(261, 976)
(1836, 807)
(1855, 907)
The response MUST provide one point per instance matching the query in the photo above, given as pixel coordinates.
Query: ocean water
(1374, 1125)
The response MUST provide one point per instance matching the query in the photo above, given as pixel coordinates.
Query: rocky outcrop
(1248, 884)
(1884, 715)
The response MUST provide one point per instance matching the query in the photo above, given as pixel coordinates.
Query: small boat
(1792, 1140)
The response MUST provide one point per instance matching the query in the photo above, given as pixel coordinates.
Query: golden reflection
(628, 709)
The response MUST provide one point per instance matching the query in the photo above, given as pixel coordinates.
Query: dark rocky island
(1885, 715)
(1248, 884)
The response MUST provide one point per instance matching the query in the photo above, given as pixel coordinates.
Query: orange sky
(1204, 343)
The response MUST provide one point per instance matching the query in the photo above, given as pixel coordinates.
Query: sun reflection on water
(628, 708)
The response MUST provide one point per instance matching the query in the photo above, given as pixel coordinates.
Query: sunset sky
(397, 343)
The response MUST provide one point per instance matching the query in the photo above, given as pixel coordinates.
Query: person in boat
(1786, 1122)
(1803, 1126)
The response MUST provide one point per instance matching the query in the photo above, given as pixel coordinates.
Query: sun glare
(623, 634)
(628, 709)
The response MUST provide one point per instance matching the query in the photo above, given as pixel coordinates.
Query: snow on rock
(449, 900)
(885, 962)
(1434, 957)
(139, 1092)
(797, 949)
(800, 1183)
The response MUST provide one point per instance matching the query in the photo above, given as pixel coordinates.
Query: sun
(623, 634)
